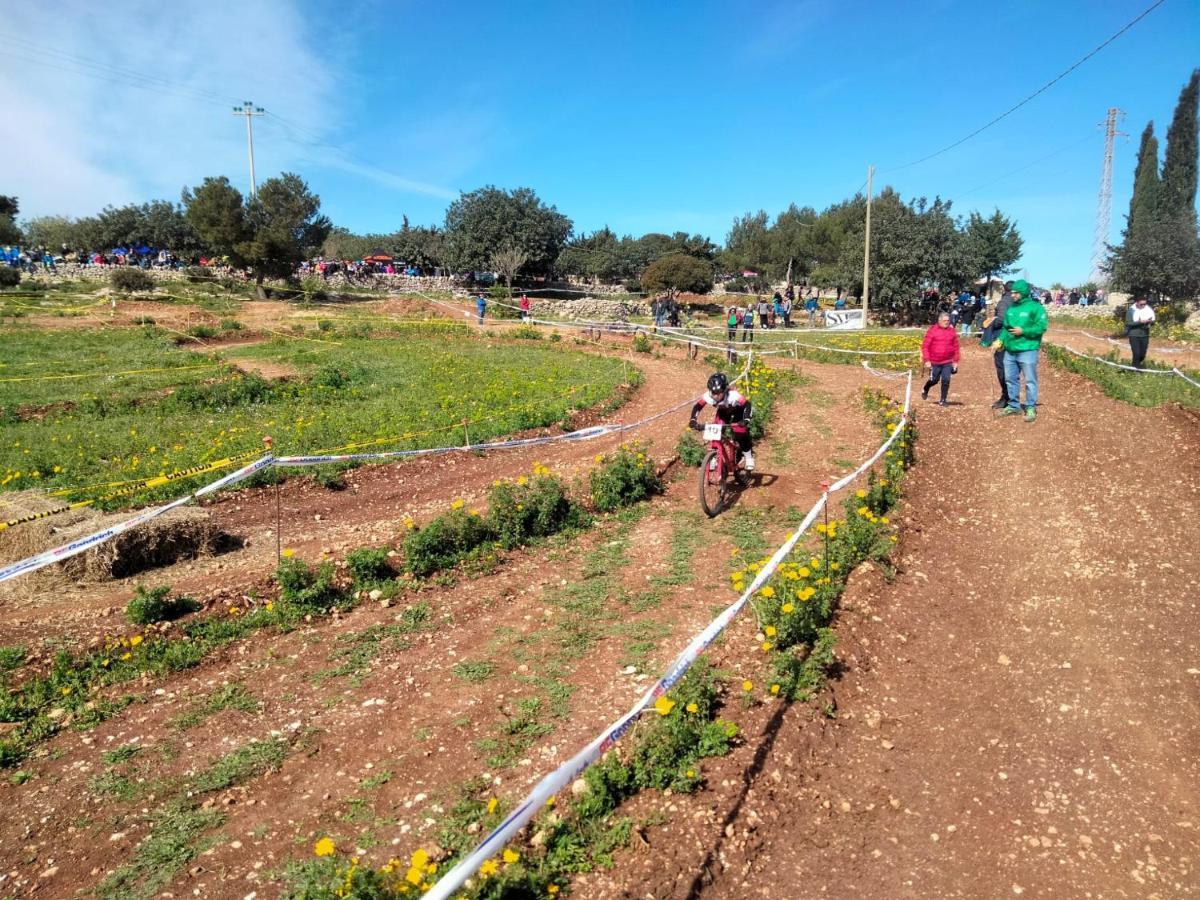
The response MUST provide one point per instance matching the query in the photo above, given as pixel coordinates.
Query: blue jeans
(1016, 364)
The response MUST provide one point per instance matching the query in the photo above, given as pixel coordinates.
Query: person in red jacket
(940, 352)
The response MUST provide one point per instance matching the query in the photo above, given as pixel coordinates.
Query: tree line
(1159, 253)
(914, 244)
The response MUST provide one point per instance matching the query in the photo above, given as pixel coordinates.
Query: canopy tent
(378, 258)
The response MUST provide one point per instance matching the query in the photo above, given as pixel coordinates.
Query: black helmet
(718, 383)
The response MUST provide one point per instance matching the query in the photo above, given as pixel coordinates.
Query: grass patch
(474, 672)
(230, 696)
(1133, 388)
(166, 413)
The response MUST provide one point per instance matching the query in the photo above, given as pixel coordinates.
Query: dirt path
(383, 733)
(1020, 708)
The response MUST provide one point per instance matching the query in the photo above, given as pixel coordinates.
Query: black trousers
(748, 335)
(998, 357)
(1138, 347)
(940, 373)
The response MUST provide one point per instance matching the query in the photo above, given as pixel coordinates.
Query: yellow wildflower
(457, 504)
(492, 804)
(769, 631)
(860, 494)
(511, 856)
(774, 689)
(787, 607)
(324, 847)
(663, 706)
(288, 553)
(767, 592)
(747, 685)
(489, 867)
(692, 708)
(135, 640)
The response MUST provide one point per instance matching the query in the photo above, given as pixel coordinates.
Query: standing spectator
(524, 308)
(748, 325)
(940, 351)
(966, 318)
(776, 309)
(731, 323)
(787, 308)
(812, 306)
(840, 302)
(1138, 319)
(1024, 325)
(992, 329)
(480, 306)
(659, 308)
(763, 309)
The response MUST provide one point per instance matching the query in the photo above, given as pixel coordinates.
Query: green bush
(313, 290)
(446, 541)
(202, 331)
(641, 343)
(526, 333)
(526, 509)
(308, 589)
(623, 478)
(369, 565)
(128, 279)
(691, 449)
(9, 277)
(231, 325)
(150, 606)
(198, 274)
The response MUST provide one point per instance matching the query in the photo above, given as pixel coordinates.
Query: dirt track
(1027, 689)
(1019, 710)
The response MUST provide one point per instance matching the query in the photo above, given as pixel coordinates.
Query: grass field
(137, 405)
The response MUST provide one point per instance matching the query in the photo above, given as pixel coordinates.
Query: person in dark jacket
(1138, 319)
(940, 351)
(991, 331)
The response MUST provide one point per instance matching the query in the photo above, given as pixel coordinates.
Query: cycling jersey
(733, 410)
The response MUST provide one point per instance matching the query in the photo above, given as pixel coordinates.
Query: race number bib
(712, 432)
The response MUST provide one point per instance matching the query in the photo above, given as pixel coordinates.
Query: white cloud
(82, 129)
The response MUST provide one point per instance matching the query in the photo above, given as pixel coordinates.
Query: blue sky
(642, 116)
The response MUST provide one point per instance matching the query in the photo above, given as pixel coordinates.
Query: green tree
(993, 244)
(286, 226)
(269, 235)
(1143, 205)
(598, 256)
(678, 272)
(217, 214)
(1178, 198)
(9, 232)
(51, 231)
(748, 244)
(488, 219)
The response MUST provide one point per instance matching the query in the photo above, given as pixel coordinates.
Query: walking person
(748, 325)
(480, 306)
(1138, 319)
(812, 306)
(1024, 325)
(992, 329)
(940, 352)
(524, 308)
(731, 324)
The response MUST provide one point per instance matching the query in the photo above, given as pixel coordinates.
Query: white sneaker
(748, 460)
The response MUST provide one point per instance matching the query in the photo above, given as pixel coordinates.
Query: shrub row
(795, 608)
(526, 509)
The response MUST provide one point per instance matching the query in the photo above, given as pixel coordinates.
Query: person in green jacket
(1024, 325)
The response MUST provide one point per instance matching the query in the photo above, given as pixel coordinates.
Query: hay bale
(182, 533)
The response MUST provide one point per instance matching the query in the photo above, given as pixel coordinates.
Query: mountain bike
(721, 472)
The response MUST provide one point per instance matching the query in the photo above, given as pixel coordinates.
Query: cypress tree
(1178, 196)
(1143, 206)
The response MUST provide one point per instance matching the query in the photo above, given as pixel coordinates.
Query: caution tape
(111, 374)
(1115, 365)
(564, 775)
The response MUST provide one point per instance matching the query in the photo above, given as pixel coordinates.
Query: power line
(1045, 87)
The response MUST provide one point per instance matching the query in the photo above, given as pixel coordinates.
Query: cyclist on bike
(730, 408)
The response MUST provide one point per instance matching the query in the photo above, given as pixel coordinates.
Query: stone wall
(589, 308)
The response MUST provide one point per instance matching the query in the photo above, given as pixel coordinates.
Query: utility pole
(1104, 207)
(249, 110)
(867, 250)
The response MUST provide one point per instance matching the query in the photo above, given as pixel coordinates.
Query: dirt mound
(179, 534)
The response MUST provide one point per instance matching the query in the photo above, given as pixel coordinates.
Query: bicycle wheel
(713, 488)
